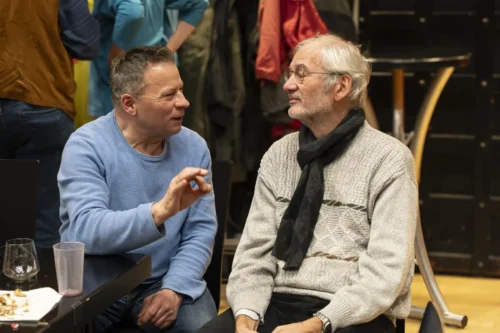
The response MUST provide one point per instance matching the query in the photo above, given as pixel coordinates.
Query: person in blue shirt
(129, 23)
(137, 182)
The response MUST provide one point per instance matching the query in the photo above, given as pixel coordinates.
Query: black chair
(400, 326)
(221, 178)
(431, 322)
(18, 198)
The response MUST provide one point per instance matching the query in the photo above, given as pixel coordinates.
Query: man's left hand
(160, 309)
(313, 325)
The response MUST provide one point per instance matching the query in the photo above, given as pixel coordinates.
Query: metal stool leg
(425, 115)
(417, 148)
(398, 114)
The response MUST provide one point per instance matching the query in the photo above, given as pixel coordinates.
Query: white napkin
(38, 302)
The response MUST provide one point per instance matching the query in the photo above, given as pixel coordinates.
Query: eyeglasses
(301, 73)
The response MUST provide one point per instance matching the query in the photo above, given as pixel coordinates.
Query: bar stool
(443, 66)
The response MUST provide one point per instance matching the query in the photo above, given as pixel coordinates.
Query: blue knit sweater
(107, 189)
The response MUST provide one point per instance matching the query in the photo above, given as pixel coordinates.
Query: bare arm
(183, 31)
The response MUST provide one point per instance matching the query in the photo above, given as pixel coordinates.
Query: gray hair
(338, 55)
(127, 70)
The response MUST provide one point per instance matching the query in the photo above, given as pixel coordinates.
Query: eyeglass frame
(288, 73)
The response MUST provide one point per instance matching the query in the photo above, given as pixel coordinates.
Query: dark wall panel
(447, 229)
(460, 183)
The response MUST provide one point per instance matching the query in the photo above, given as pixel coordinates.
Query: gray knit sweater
(361, 257)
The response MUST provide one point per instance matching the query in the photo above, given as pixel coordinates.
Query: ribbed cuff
(338, 312)
(190, 288)
(249, 301)
(144, 211)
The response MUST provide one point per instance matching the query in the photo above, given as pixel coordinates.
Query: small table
(105, 280)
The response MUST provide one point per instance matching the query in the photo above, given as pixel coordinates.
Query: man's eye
(301, 73)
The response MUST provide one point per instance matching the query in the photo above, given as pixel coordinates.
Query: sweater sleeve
(188, 265)
(85, 211)
(251, 282)
(386, 264)
(80, 32)
(129, 15)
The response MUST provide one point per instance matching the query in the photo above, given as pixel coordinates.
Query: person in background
(82, 73)
(129, 23)
(38, 41)
(137, 182)
(328, 245)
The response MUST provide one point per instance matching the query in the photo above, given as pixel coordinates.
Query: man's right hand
(180, 195)
(245, 324)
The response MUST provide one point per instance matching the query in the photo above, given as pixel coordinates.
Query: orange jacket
(282, 25)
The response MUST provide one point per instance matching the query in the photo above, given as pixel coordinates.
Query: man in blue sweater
(136, 181)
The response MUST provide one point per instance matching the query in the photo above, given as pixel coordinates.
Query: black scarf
(297, 226)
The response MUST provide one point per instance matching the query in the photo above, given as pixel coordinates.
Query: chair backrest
(431, 322)
(221, 178)
(18, 198)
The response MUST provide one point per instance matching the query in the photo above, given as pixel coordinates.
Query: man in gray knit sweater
(328, 245)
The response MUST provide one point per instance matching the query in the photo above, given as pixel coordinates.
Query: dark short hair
(127, 70)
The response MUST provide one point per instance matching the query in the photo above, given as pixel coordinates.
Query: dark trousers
(287, 309)
(35, 132)
(190, 317)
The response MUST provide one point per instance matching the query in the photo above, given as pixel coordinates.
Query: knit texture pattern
(361, 257)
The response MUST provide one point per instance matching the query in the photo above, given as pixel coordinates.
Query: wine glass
(20, 261)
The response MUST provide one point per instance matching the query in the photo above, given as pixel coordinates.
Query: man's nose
(182, 102)
(290, 84)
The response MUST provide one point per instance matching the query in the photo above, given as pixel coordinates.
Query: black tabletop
(106, 279)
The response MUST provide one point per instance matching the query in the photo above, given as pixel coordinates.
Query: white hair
(338, 55)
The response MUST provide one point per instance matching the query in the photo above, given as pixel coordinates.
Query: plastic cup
(68, 257)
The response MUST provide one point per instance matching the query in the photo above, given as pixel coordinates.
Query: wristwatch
(327, 326)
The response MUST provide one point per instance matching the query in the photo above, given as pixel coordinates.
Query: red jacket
(282, 25)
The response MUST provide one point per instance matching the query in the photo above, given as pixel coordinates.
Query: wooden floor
(477, 298)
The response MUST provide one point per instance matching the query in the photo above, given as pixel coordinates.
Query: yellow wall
(82, 69)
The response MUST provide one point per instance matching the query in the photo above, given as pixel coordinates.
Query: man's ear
(342, 87)
(128, 104)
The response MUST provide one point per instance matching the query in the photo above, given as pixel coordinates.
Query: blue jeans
(190, 317)
(37, 133)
